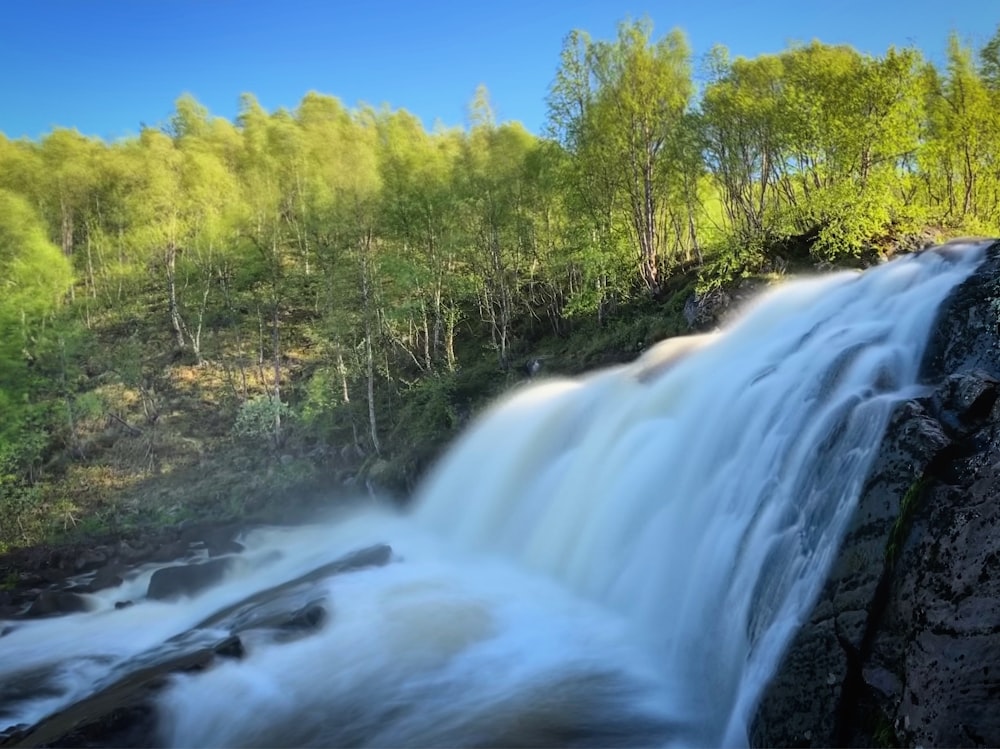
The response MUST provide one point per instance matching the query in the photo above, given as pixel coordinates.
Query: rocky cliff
(903, 645)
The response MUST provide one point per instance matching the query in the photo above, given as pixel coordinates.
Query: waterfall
(612, 560)
(702, 491)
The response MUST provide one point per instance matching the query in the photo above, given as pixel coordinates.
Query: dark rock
(940, 635)
(224, 548)
(703, 311)
(186, 579)
(127, 726)
(108, 576)
(217, 540)
(231, 647)
(966, 399)
(966, 338)
(268, 608)
(309, 617)
(169, 552)
(132, 553)
(90, 559)
(12, 735)
(51, 603)
(119, 715)
(119, 605)
(710, 309)
(377, 555)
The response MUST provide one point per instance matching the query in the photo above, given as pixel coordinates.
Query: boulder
(55, 602)
(187, 579)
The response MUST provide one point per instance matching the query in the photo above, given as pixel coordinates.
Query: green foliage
(431, 414)
(33, 277)
(34, 272)
(730, 260)
(22, 449)
(816, 139)
(622, 109)
(256, 417)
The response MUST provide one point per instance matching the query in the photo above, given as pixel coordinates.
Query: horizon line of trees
(386, 244)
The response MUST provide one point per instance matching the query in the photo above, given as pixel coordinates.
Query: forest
(214, 311)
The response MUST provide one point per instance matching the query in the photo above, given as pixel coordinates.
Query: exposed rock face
(713, 308)
(903, 645)
(186, 579)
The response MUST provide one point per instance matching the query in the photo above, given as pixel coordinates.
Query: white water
(620, 559)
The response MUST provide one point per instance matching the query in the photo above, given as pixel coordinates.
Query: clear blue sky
(104, 66)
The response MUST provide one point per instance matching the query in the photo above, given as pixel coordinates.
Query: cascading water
(619, 559)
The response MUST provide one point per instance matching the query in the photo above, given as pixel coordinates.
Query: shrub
(256, 417)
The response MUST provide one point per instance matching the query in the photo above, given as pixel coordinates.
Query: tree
(418, 215)
(961, 139)
(492, 188)
(34, 275)
(814, 142)
(744, 141)
(989, 59)
(625, 104)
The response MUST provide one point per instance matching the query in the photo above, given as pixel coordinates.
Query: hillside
(217, 318)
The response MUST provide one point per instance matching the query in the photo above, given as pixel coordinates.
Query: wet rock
(132, 553)
(225, 548)
(121, 714)
(109, 576)
(231, 647)
(710, 309)
(90, 559)
(9, 736)
(966, 399)
(169, 551)
(52, 603)
(217, 540)
(269, 608)
(186, 579)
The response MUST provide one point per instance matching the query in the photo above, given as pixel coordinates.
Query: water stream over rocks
(620, 559)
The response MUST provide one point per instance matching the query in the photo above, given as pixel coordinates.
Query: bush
(255, 418)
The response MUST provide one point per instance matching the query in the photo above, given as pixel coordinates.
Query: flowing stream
(619, 559)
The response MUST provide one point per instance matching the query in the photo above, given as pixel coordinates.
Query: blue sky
(104, 66)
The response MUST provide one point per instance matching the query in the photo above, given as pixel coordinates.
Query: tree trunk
(438, 325)
(176, 322)
(368, 313)
(66, 236)
(451, 322)
(276, 347)
(342, 371)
